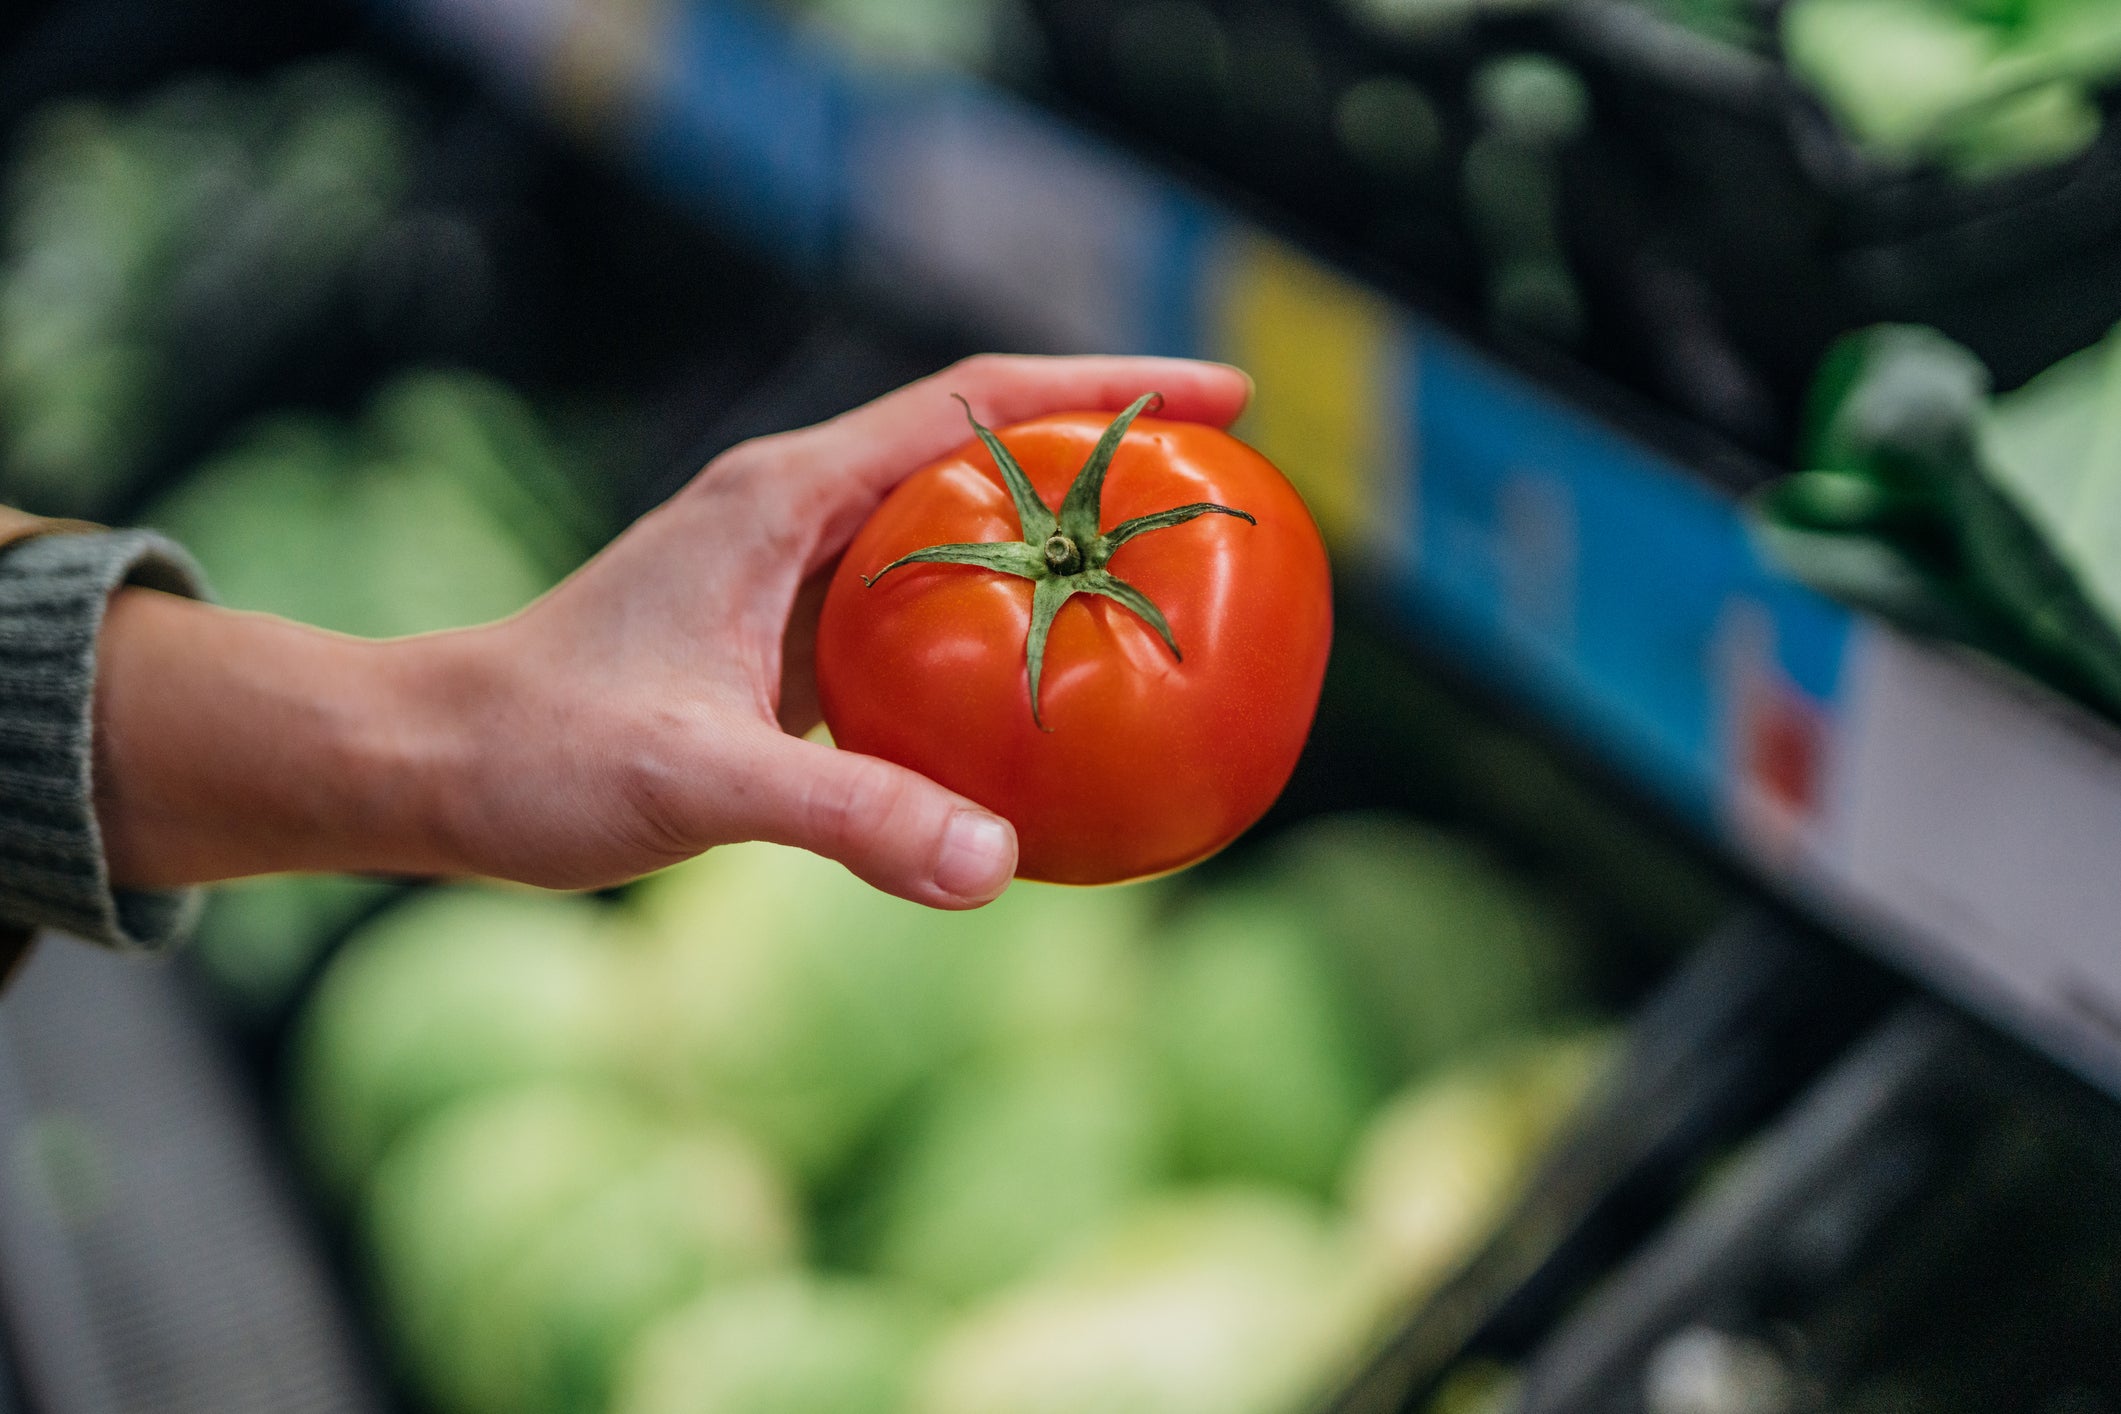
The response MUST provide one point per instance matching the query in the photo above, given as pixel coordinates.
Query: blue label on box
(750, 120)
(1594, 575)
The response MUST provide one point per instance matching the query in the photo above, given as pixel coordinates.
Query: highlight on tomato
(1111, 634)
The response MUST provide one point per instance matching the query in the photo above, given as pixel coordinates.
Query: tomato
(1142, 751)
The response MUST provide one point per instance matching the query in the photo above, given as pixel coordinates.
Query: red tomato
(1139, 761)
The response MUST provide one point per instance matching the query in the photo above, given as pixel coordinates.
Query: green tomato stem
(1065, 554)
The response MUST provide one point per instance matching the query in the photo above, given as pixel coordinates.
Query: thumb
(894, 828)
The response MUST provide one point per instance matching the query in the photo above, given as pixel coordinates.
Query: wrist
(431, 751)
(229, 744)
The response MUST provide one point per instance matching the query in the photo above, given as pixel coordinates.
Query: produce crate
(1824, 1267)
(1742, 181)
(1704, 229)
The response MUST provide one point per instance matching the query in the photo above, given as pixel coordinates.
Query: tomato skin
(1149, 763)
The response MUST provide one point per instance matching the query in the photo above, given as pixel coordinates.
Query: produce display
(154, 252)
(979, 630)
(1985, 517)
(1695, 198)
(1972, 86)
(1981, 88)
(749, 1138)
(753, 1137)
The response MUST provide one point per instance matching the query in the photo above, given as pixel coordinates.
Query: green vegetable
(262, 519)
(785, 996)
(592, 1118)
(258, 937)
(1441, 1162)
(547, 1332)
(1054, 966)
(1860, 568)
(2039, 512)
(1869, 521)
(454, 992)
(1531, 107)
(1532, 99)
(1010, 1163)
(1440, 949)
(470, 1192)
(1890, 402)
(395, 526)
(1263, 1080)
(791, 1344)
(165, 247)
(1214, 1303)
(430, 552)
(1891, 70)
(1981, 89)
(495, 447)
(1989, 519)
(1050, 1097)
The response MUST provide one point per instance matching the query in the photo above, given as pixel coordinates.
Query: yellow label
(1322, 349)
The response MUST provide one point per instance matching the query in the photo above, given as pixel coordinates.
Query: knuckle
(743, 463)
(980, 371)
(850, 808)
(656, 792)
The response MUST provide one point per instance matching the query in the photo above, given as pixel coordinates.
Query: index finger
(858, 456)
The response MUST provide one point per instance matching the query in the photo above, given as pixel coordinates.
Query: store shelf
(1953, 817)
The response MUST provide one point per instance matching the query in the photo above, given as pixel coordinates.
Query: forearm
(229, 744)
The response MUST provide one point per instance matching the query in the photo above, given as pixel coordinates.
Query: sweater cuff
(53, 593)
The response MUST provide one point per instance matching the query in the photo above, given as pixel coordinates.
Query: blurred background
(1681, 977)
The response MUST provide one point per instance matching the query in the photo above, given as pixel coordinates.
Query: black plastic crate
(1719, 230)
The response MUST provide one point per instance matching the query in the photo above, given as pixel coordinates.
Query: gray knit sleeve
(53, 590)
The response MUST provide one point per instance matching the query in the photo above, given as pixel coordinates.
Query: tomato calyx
(1063, 553)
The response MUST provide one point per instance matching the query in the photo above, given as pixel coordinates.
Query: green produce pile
(756, 1139)
(202, 221)
(1980, 86)
(1991, 518)
(447, 503)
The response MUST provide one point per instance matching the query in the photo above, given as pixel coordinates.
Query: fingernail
(979, 855)
(1251, 384)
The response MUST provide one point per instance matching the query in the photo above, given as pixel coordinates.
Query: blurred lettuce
(1221, 1302)
(1440, 1162)
(792, 1343)
(548, 1333)
(437, 510)
(152, 244)
(454, 992)
(1082, 1150)
(1977, 86)
(1256, 1059)
(1009, 1163)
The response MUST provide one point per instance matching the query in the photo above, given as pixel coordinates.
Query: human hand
(646, 709)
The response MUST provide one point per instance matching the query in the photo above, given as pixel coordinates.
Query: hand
(647, 709)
